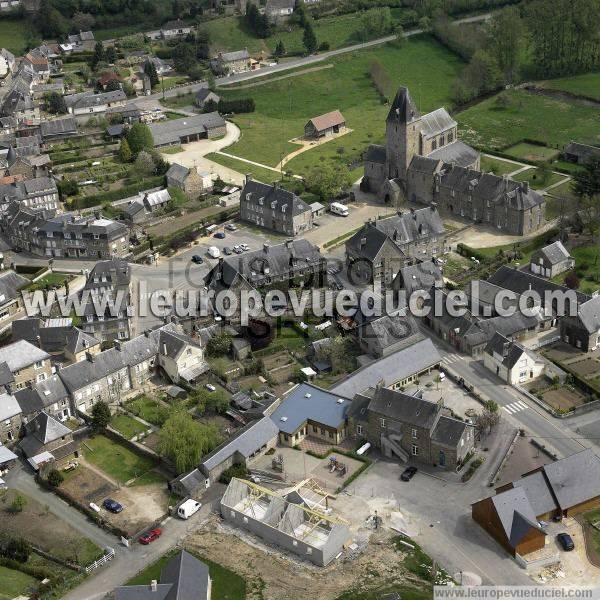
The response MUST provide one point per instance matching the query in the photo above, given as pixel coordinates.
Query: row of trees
(239, 106)
(257, 22)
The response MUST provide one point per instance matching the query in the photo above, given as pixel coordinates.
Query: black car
(408, 473)
(112, 505)
(219, 235)
(197, 260)
(566, 541)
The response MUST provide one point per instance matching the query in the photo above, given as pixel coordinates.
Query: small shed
(324, 125)
(204, 95)
(175, 392)
(317, 209)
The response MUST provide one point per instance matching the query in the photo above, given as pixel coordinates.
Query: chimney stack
(266, 248)
(525, 187)
(118, 345)
(89, 356)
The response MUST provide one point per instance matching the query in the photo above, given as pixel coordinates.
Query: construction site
(297, 519)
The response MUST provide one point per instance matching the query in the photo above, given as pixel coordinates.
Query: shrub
(237, 470)
(55, 478)
(18, 504)
(17, 549)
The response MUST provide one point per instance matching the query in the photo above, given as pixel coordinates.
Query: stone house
(36, 193)
(583, 330)
(382, 247)
(580, 153)
(10, 419)
(274, 208)
(11, 301)
(551, 260)
(85, 103)
(180, 357)
(44, 434)
(420, 276)
(27, 363)
(191, 181)
(49, 396)
(325, 125)
(177, 28)
(226, 63)
(385, 335)
(511, 361)
(410, 428)
(278, 11)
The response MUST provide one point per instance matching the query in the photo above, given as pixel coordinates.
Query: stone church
(424, 161)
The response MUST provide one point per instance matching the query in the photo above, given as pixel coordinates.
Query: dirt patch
(142, 506)
(172, 225)
(87, 486)
(273, 575)
(524, 457)
(563, 398)
(586, 367)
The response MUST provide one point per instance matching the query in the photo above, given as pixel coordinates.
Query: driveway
(193, 155)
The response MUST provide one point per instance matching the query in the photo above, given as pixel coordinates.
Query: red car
(150, 536)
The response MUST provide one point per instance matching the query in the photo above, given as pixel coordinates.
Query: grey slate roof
(6, 455)
(41, 395)
(449, 431)
(309, 402)
(387, 331)
(117, 273)
(189, 578)
(10, 284)
(420, 276)
(392, 368)
(9, 407)
(234, 56)
(515, 513)
(178, 173)
(42, 430)
(173, 25)
(77, 341)
(589, 314)
(172, 131)
(582, 151)
(510, 351)
(21, 354)
(246, 441)
(68, 125)
(436, 122)
(86, 372)
(403, 109)
(6, 375)
(404, 407)
(539, 494)
(274, 198)
(89, 99)
(554, 253)
(456, 152)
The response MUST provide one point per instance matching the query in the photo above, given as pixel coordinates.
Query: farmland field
(531, 152)
(495, 125)
(283, 107)
(13, 35)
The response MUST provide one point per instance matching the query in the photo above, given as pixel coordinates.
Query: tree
(184, 57)
(184, 441)
(144, 163)
(488, 418)
(328, 181)
(341, 354)
(217, 401)
(125, 151)
(98, 56)
(279, 50)
(586, 186)
(572, 281)
(55, 103)
(375, 22)
(480, 76)
(381, 78)
(309, 39)
(113, 85)
(17, 549)
(219, 344)
(150, 70)
(18, 504)
(507, 39)
(100, 415)
(110, 55)
(55, 478)
(139, 137)
(203, 44)
(83, 21)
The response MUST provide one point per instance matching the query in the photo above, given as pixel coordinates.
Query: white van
(211, 228)
(214, 252)
(338, 209)
(188, 508)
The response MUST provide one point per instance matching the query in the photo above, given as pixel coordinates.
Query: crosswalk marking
(451, 358)
(515, 407)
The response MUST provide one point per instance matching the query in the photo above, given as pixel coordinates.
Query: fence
(101, 561)
(545, 561)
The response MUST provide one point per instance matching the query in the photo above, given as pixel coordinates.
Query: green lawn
(226, 585)
(587, 268)
(126, 425)
(587, 85)
(13, 35)
(283, 107)
(116, 460)
(532, 152)
(14, 583)
(264, 175)
(527, 247)
(532, 116)
(51, 280)
(563, 190)
(497, 166)
(537, 178)
(149, 409)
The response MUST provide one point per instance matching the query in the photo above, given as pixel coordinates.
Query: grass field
(14, 583)
(226, 585)
(563, 190)
(115, 460)
(283, 107)
(231, 33)
(126, 426)
(531, 116)
(264, 175)
(533, 152)
(149, 409)
(496, 166)
(587, 85)
(13, 35)
(537, 178)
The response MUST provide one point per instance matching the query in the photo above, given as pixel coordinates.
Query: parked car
(112, 505)
(566, 541)
(230, 227)
(210, 387)
(214, 252)
(219, 235)
(408, 473)
(150, 536)
(237, 250)
(197, 260)
(245, 247)
(227, 250)
(188, 508)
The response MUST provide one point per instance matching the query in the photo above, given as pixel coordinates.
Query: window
(382, 423)
(39, 364)
(413, 432)
(40, 377)
(415, 450)
(359, 430)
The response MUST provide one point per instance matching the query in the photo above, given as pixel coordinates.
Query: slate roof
(178, 173)
(172, 131)
(510, 351)
(388, 330)
(522, 281)
(6, 455)
(77, 341)
(188, 577)
(116, 271)
(176, 24)
(425, 164)
(392, 368)
(274, 198)
(589, 314)
(68, 125)
(133, 208)
(403, 109)
(234, 56)
(404, 408)
(9, 407)
(89, 99)
(21, 354)
(41, 395)
(10, 284)
(42, 430)
(582, 151)
(246, 441)
(328, 120)
(307, 402)
(6, 375)
(203, 93)
(449, 431)
(516, 514)
(420, 276)
(539, 494)
(554, 253)
(157, 198)
(369, 242)
(436, 122)
(86, 372)
(456, 152)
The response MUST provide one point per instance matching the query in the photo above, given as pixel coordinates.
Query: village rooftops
(589, 314)
(21, 354)
(89, 99)
(274, 197)
(9, 407)
(510, 351)
(404, 407)
(555, 253)
(307, 402)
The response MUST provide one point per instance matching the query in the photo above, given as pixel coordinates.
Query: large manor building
(424, 161)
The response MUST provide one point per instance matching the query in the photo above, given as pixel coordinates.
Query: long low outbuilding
(188, 129)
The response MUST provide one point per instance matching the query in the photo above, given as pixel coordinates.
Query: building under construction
(286, 521)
